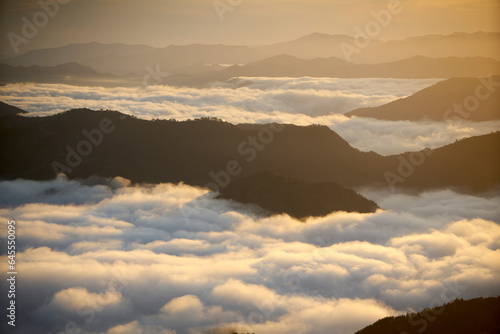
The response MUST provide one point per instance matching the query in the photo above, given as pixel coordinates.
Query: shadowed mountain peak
(458, 98)
(7, 109)
(279, 194)
(480, 315)
(82, 143)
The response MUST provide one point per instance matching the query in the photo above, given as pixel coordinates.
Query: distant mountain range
(278, 194)
(208, 151)
(200, 75)
(69, 73)
(378, 51)
(125, 59)
(76, 53)
(480, 315)
(458, 98)
(418, 67)
(436, 46)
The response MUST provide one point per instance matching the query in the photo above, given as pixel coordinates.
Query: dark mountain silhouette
(476, 100)
(279, 194)
(71, 73)
(7, 109)
(170, 151)
(76, 53)
(208, 151)
(475, 316)
(443, 166)
(288, 66)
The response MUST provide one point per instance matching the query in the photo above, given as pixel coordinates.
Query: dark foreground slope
(207, 152)
(459, 98)
(300, 199)
(8, 110)
(196, 152)
(468, 163)
(476, 316)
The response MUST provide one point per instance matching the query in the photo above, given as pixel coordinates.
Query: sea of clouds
(300, 101)
(102, 256)
(108, 257)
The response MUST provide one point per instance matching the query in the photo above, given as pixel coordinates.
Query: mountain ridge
(443, 101)
(75, 52)
(126, 59)
(417, 67)
(283, 65)
(479, 315)
(207, 151)
(67, 73)
(278, 194)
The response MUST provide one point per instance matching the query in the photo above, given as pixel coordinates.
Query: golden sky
(164, 22)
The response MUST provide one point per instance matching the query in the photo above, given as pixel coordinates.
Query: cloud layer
(116, 258)
(309, 96)
(300, 101)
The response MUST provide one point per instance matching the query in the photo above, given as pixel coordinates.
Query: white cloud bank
(300, 101)
(171, 259)
(308, 96)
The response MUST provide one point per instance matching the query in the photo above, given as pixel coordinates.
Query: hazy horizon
(160, 24)
(258, 45)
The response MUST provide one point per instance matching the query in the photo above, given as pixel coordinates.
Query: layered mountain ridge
(82, 143)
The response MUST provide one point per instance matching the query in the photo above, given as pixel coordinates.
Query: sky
(251, 22)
